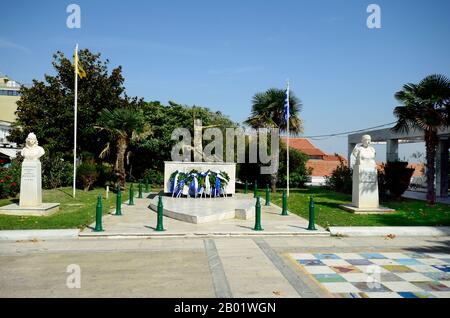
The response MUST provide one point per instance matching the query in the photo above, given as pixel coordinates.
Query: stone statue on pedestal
(31, 178)
(30, 200)
(365, 175)
(365, 198)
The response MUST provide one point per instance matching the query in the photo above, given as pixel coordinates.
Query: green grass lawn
(327, 213)
(73, 213)
(80, 212)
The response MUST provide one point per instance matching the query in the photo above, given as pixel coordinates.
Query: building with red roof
(322, 164)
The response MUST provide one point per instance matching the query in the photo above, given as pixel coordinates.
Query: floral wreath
(196, 184)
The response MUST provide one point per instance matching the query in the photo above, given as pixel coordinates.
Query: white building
(9, 95)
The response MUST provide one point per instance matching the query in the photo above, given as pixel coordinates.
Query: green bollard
(284, 210)
(140, 190)
(255, 189)
(146, 185)
(119, 201)
(311, 226)
(267, 196)
(98, 215)
(246, 187)
(131, 201)
(159, 225)
(258, 216)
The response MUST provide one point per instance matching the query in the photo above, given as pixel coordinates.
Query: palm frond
(268, 111)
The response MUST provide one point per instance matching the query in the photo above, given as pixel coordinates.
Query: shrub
(9, 186)
(56, 172)
(382, 186)
(298, 172)
(106, 175)
(340, 179)
(397, 177)
(87, 175)
(155, 177)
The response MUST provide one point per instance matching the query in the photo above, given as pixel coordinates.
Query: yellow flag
(81, 72)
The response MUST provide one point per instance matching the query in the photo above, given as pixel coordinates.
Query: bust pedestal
(365, 187)
(365, 199)
(31, 184)
(30, 202)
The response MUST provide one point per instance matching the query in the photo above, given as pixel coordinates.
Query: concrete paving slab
(389, 230)
(38, 234)
(181, 267)
(160, 274)
(140, 221)
(245, 278)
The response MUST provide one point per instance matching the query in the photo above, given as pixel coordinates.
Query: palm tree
(123, 125)
(268, 112)
(426, 107)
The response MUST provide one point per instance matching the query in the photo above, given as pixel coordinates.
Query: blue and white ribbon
(173, 183)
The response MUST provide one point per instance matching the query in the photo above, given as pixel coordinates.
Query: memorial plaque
(30, 184)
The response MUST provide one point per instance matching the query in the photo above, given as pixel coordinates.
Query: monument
(30, 200)
(365, 198)
(201, 199)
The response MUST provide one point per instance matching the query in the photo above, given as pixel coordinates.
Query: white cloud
(5, 44)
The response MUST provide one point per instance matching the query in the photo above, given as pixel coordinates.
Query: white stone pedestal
(365, 199)
(365, 187)
(30, 202)
(31, 184)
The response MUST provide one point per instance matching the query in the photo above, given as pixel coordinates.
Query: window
(5, 92)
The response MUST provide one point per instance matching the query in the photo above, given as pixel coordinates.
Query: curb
(112, 235)
(355, 231)
(17, 235)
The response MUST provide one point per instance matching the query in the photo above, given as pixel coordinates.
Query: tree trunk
(431, 141)
(274, 176)
(273, 182)
(119, 167)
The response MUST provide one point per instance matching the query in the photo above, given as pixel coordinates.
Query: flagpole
(75, 122)
(287, 139)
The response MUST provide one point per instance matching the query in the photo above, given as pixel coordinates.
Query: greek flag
(286, 106)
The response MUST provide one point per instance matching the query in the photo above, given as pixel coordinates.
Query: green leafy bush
(341, 178)
(87, 175)
(106, 175)
(56, 172)
(9, 186)
(155, 177)
(298, 172)
(397, 178)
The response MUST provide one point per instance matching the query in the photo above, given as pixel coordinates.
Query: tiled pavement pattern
(254, 267)
(379, 275)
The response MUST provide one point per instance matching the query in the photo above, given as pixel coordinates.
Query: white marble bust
(364, 154)
(32, 152)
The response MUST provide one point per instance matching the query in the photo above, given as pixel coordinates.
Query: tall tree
(151, 152)
(123, 125)
(47, 107)
(426, 107)
(268, 112)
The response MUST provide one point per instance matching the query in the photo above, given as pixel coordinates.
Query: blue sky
(220, 53)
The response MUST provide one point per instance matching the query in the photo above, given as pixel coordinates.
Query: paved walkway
(423, 197)
(210, 267)
(140, 220)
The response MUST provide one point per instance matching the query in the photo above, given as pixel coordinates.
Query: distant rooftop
(7, 83)
(305, 146)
